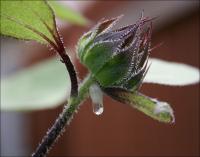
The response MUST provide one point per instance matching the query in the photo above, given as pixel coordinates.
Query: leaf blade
(35, 20)
(171, 73)
(16, 15)
(38, 87)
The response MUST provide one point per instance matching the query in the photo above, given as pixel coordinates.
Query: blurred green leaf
(28, 20)
(38, 87)
(171, 73)
(66, 13)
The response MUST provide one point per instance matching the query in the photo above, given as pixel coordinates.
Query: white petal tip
(163, 107)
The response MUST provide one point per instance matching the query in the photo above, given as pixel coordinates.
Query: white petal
(171, 73)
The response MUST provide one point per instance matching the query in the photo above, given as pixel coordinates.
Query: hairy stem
(64, 118)
(72, 73)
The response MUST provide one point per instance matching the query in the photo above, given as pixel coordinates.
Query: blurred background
(120, 130)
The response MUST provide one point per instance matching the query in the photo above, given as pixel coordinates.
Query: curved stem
(63, 119)
(71, 70)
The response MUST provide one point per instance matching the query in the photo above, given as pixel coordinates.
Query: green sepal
(153, 108)
(133, 83)
(87, 40)
(113, 70)
(97, 56)
(83, 44)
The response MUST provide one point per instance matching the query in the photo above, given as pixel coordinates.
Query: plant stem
(64, 118)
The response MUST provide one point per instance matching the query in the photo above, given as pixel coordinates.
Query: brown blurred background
(121, 130)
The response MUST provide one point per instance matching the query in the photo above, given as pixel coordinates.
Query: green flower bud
(116, 58)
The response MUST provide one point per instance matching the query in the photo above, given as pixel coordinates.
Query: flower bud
(116, 58)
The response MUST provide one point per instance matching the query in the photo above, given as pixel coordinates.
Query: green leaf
(66, 13)
(28, 20)
(34, 20)
(153, 108)
(44, 85)
(171, 73)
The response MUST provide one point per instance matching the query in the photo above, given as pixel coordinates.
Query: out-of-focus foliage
(68, 14)
(171, 73)
(47, 85)
(44, 85)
